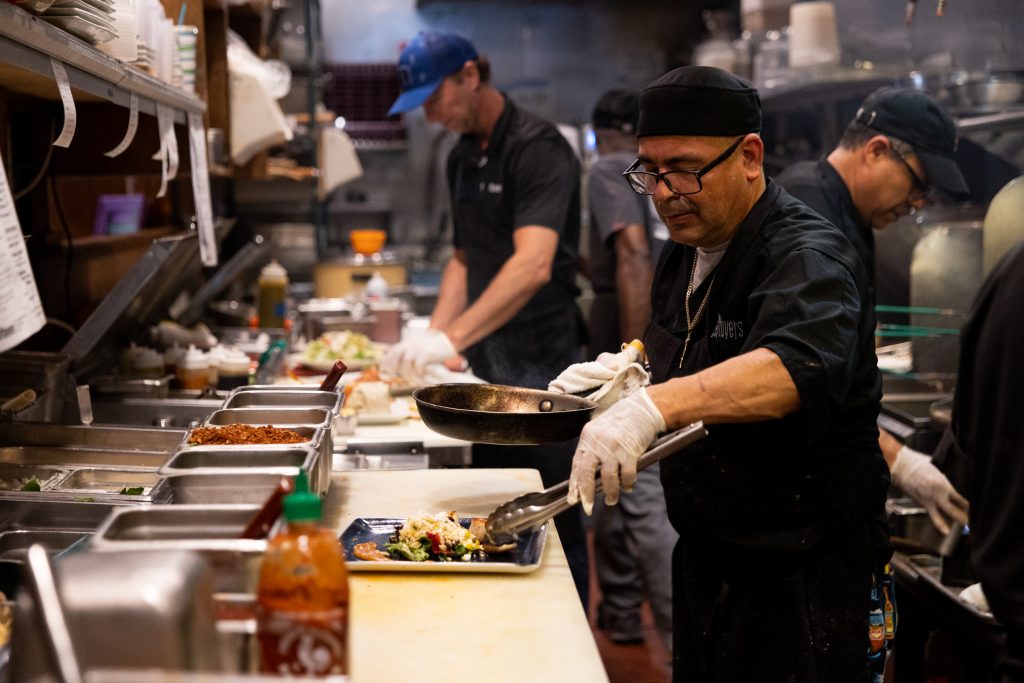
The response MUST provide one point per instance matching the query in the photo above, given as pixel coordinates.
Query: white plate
(107, 8)
(90, 14)
(82, 28)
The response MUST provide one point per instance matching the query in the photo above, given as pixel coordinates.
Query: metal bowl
(498, 414)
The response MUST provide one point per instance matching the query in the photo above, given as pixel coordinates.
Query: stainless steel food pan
(96, 480)
(314, 435)
(223, 463)
(93, 437)
(278, 417)
(181, 526)
(224, 487)
(320, 437)
(211, 530)
(90, 484)
(37, 512)
(137, 610)
(47, 476)
(87, 457)
(14, 544)
(272, 398)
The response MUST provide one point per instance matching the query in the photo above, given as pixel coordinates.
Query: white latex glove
(915, 474)
(613, 442)
(409, 359)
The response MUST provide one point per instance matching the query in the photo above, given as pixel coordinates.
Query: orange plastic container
(367, 241)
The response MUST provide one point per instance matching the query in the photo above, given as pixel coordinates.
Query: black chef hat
(699, 100)
(617, 109)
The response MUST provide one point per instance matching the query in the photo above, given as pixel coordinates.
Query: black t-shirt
(788, 282)
(528, 175)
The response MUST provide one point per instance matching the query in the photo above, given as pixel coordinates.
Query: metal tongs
(530, 511)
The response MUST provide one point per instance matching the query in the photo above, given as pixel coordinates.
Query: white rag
(609, 378)
(974, 596)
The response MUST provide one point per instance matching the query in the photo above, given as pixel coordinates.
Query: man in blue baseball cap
(507, 295)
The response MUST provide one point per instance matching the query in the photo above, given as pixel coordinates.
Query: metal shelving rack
(27, 43)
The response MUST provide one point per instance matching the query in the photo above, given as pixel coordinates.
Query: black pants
(761, 615)
(554, 462)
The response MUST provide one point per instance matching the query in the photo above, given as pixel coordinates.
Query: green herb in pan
(32, 485)
(131, 491)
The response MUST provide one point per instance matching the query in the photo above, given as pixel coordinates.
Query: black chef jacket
(777, 540)
(987, 457)
(528, 175)
(818, 185)
(787, 282)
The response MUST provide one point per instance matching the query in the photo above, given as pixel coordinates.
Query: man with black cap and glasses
(895, 155)
(507, 295)
(632, 541)
(760, 328)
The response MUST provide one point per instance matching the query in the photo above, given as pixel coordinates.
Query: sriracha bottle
(302, 599)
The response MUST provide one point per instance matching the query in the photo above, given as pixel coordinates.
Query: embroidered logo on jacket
(727, 329)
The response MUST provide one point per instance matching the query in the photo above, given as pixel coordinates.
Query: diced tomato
(435, 542)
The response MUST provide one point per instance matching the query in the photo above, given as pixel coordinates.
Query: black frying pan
(499, 414)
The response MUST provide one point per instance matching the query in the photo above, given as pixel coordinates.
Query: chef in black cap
(761, 329)
(894, 156)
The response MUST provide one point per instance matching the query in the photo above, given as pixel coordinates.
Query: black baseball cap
(915, 118)
(617, 109)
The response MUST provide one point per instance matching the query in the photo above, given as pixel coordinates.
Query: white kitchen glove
(613, 442)
(915, 474)
(409, 359)
(609, 378)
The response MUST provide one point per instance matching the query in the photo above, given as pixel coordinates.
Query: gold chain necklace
(692, 323)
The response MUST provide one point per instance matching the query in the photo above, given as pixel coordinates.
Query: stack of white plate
(90, 20)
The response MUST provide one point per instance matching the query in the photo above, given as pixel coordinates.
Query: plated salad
(343, 345)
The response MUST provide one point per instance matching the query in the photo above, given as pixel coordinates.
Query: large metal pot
(499, 414)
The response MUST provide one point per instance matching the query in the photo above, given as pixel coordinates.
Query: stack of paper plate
(90, 20)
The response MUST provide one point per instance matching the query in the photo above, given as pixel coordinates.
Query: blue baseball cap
(427, 60)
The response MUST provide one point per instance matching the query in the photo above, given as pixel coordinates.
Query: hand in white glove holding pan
(612, 443)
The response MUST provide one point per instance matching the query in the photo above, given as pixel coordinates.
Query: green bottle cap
(301, 505)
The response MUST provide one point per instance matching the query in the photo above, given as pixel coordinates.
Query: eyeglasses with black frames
(919, 188)
(678, 182)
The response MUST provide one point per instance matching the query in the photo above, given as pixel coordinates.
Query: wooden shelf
(144, 237)
(27, 43)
